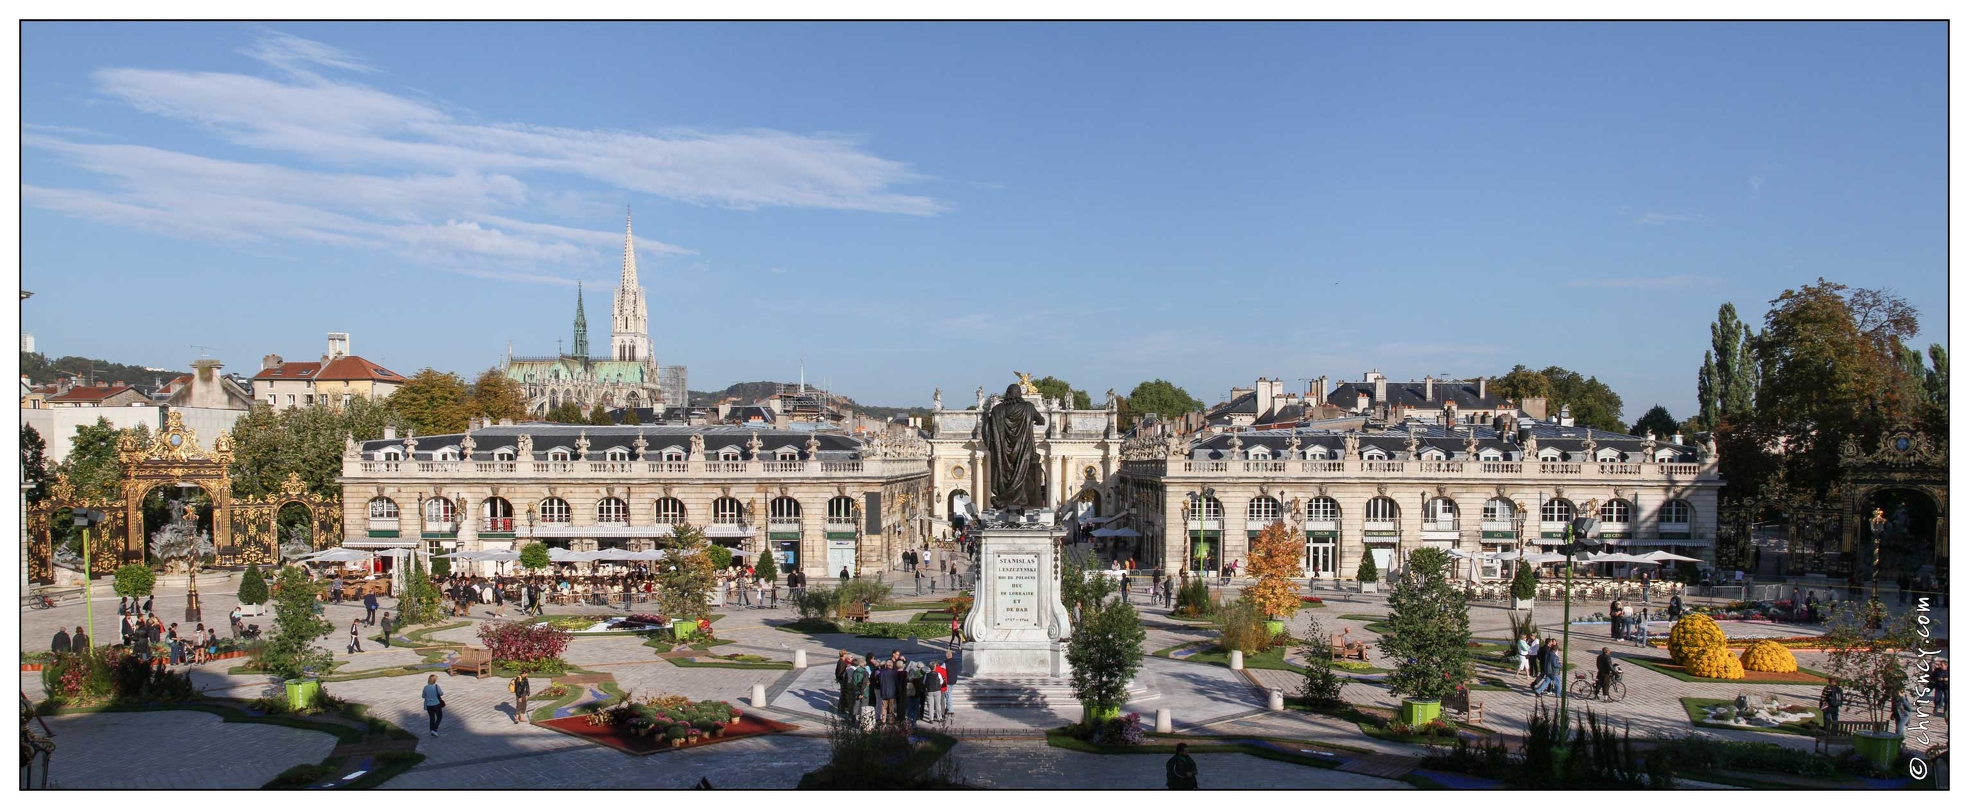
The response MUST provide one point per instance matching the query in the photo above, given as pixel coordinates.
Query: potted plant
(1873, 658)
(1524, 589)
(1428, 633)
(1367, 574)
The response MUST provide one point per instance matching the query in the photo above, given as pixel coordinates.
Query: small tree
(685, 582)
(440, 567)
(1275, 555)
(1429, 629)
(533, 556)
(135, 580)
(1322, 686)
(1082, 585)
(1241, 626)
(767, 568)
(1523, 585)
(721, 557)
(1872, 665)
(1367, 572)
(421, 602)
(1105, 652)
(290, 651)
(252, 586)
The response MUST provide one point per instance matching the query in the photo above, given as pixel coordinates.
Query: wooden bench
(855, 613)
(1460, 702)
(1841, 734)
(1346, 647)
(477, 660)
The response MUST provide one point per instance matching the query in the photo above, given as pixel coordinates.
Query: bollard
(758, 696)
(1277, 702)
(1162, 723)
(1237, 659)
(799, 659)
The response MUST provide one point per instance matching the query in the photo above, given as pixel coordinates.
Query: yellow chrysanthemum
(1769, 656)
(1693, 634)
(1716, 662)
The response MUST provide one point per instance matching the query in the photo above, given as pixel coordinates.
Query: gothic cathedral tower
(631, 327)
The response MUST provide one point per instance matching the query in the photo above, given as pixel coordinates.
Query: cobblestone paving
(180, 750)
(1032, 764)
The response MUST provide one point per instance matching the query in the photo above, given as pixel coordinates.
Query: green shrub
(1523, 585)
(1367, 572)
(252, 586)
(135, 580)
(1322, 685)
(533, 556)
(721, 557)
(289, 651)
(1241, 626)
(1194, 600)
(767, 568)
(856, 591)
(814, 603)
(440, 567)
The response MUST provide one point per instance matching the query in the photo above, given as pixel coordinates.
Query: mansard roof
(547, 436)
(1393, 440)
(1410, 394)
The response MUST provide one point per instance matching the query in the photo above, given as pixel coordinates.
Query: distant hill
(39, 370)
(750, 392)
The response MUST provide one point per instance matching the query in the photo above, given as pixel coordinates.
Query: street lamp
(1878, 524)
(1581, 533)
(86, 518)
(193, 615)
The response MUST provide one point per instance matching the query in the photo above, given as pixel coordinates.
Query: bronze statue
(1016, 478)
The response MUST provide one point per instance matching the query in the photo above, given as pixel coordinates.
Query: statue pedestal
(1017, 623)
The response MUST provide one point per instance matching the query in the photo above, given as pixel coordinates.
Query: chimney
(1264, 392)
(1361, 401)
(1380, 389)
(338, 345)
(781, 421)
(1480, 388)
(271, 361)
(389, 432)
(1428, 389)
(117, 384)
(1676, 439)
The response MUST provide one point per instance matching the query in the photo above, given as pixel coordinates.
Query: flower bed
(663, 724)
(1673, 670)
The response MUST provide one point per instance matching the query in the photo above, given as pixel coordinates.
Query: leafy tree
(767, 568)
(34, 465)
(1593, 403)
(290, 652)
(721, 557)
(566, 413)
(533, 556)
(1059, 389)
(1275, 555)
(1872, 655)
(1523, 586)
(497, 396)
(135, 580)
(1322, 685)
(440, 567)
(1429, 629)
(92, 467)
(422, 602)
(1657, 420)
(252, 586)
(1105, 653)
(1727, 384)
(40, 369)
(1367, 572)
(598, 415)
(269, 444)
(433, 402)
(1521, 383)
(1081, 585)
(685, 582)
(1163, 399)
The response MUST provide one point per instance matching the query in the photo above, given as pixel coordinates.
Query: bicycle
(41, 602)
(1585, 688)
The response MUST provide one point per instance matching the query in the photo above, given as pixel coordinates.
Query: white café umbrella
(498, 556)
(1543, 558)
(1120, 532)
(1664, 556)
(559, 555)
(342, 555)
(651, 555)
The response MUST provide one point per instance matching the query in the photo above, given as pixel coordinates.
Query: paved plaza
(481, 746)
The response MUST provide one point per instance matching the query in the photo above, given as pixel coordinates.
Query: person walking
(1831, 699)
(1619, 615)
(61, 645)
(433, 703)
(1180, 772)
(1902, 709)
(1549, 667)
(919, 580)
(956, 632)
(844, 575)
(355, 637)
(521, 689)
(1603, 673)
(79, 642)
(1524, 657)
(946, 673)
(369, 605)
(1675, 608)
(387, 627)
(1537, 646)
(1938, 687)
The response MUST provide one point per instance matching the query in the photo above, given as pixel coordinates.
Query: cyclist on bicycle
(1604, 666)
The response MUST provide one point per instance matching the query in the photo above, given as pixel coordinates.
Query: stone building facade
(1387, 489)
(819, 501)
(1078, 449)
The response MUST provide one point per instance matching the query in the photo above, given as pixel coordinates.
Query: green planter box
(301, 694)
(1417, 712)
(685, 631)
(1094, 715)
(1273, 628)
(1879, 748)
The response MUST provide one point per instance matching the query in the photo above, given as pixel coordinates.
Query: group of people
(149, 638)
(1538, 661)
(1630, 623)
(893, 691)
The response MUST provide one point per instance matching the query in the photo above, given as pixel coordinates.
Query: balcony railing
(1439, 525)
(885, 467)
(1371, 468)
(496, 524)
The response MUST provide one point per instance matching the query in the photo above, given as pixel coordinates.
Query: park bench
(1345, 647)
(477, 660)
(1460, 702)
(855, 613)
(1841, 734)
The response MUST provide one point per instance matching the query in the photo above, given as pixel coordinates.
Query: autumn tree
(432, 402)
(1274, 560)
(1058, 389)
(496, 396)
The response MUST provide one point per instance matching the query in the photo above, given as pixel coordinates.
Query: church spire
(629, 324)
(629, 281)
(580, 324)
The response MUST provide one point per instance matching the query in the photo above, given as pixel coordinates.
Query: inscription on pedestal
(1016, 588)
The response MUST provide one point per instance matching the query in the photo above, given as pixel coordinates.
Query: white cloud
(289, 52)
(1649, 282)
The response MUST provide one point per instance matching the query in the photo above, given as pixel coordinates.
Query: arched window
(669, 511)
(1499, 510)
(440, 510)
(1263, 509)
(673, 454)
(554, 510)
(1210, 509)
(1616, 511)
(1550, 454)
(841, 509)
(558, 454)
(727, 511)
(1315, 453)
(445, 454)
(498, 515)
(612, 510)
(504, 454)
(1666, 456)
(1259, 454)
(784, 510)
(1323, 509)
(1489, 454)
(382, 508)
(1374, 454)
(1676, 512)
(1439, 514)
(1557, 510)
(617, 454)
(1383, 510)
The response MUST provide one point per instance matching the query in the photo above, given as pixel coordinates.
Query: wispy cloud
(1756, 184)
(404, 172)
(1661, 218)
(1648, 282)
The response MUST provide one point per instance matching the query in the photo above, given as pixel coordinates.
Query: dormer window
(728, 455)
(1433, 454)
(1665, 456)
(788, 455)
(391, 454)
(673, 454)
(558, 454)
(617, 454)
(1488, 454)
(1607, 455)
(1261, 454)
(503, 454)
(1550, 455)
(1374, 454)
(1316, 453)
(445, 454)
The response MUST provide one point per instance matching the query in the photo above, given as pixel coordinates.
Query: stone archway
(1903, 461)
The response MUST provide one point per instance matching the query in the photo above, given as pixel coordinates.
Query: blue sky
(923, 206)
